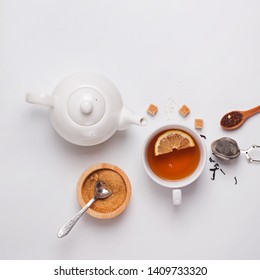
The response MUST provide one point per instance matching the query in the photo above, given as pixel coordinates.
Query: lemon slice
(172, 139)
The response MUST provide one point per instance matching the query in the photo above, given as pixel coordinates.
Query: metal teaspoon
(99, 193)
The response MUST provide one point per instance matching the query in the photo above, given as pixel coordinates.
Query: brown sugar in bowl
(115, 181)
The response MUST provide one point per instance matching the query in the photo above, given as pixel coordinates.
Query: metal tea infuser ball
(227, 148)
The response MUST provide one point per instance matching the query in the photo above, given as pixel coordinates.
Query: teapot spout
(127, 118)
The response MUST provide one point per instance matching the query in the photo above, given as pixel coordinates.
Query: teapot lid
(86, 106)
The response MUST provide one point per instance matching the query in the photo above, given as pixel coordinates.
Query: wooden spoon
(235, 119)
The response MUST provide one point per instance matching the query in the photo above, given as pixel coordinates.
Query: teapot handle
(41, 99)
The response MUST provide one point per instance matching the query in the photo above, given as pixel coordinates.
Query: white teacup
(176, 185)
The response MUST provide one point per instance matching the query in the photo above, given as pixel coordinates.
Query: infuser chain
(248, 157)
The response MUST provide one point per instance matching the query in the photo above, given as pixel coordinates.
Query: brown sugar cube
(198, 123)
(184, 110)
(152, 109)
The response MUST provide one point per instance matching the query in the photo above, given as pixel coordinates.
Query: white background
(201, 53)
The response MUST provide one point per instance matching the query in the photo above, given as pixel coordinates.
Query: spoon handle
(251, 112)
(71, 223)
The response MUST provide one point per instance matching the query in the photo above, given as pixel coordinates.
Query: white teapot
(86, 109)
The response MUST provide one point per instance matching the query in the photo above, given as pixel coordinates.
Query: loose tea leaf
(211, 160)
(231, 119)
(216, 167)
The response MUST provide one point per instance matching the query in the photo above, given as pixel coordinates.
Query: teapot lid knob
(86, 106)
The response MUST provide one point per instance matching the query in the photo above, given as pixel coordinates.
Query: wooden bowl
(115, 180)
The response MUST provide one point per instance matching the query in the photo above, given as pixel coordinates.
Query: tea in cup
(174, 156)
